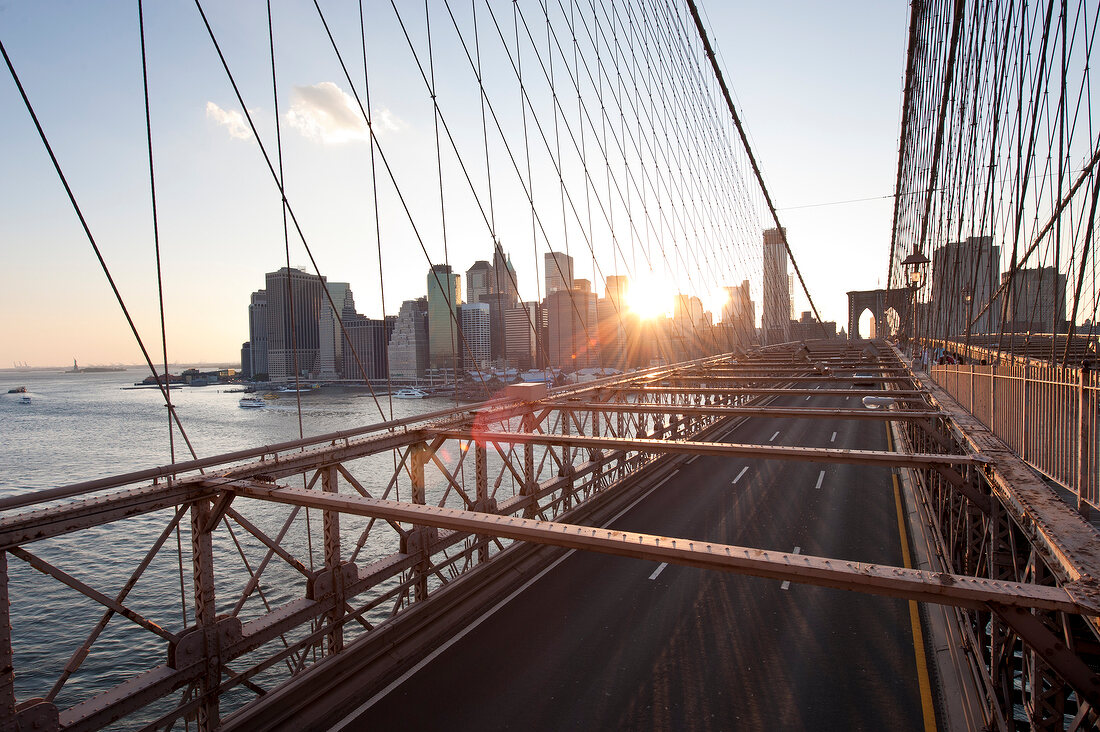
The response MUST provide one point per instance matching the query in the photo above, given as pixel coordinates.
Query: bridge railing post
(7, 665)
(331, 529)
(1083, 442)
(481, 480)
(420, 536)
(202, 569)
(529, 485)
(1025, 415)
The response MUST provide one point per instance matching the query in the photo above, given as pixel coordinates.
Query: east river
(80, 427)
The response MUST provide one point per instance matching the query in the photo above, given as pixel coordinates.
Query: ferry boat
(251, 402)
(409, 394)
(18, 390)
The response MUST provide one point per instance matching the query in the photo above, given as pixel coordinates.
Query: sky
(818, 87)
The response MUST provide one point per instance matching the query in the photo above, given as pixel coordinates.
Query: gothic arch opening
(866, 325)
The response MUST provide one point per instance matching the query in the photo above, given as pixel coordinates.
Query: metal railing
(1046, 414)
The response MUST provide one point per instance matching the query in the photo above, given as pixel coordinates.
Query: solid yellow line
(914, 613)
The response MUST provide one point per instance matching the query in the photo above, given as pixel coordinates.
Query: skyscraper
(444, 287)
(1036, 300)
(572, 341)
(964, 277)
(477, 351)
(559, 272)
(330, 348)
(777, 300)
(504, 277)
(293, 319)
(479, 281)
(257, 333)
(522, 334)
(365, 345)
(408, 347)
(739, 315)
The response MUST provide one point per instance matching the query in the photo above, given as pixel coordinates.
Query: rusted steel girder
(773, 379)
(911, 584)
(721, 449)
(723, 411)
(901, 394)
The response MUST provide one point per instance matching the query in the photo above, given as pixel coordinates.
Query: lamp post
(914, 265)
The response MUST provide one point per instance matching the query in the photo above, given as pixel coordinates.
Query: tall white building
(477, 352)
(330, 349)
(257, 333)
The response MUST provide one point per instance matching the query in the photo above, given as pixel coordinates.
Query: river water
(83, 426)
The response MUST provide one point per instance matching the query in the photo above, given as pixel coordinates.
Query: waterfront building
(444, 287)
(364, 346)
(330, 342)
(408, 344)
(293, 319)
(477, 348)
(257, 332)
(777, 301)
(558, 272)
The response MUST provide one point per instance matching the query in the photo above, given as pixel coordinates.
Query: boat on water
(251, 402)
(24, 399)
(18, 390)
(410, 394)
(292, 390)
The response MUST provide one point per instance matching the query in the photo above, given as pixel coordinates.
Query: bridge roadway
(602, 642)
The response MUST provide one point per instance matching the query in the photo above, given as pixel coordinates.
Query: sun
(650, 296)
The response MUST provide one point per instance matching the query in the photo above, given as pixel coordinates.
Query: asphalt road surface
(602, 642)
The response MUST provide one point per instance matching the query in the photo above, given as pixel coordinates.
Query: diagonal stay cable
(748, 150)
(95, 247)
(282, 191)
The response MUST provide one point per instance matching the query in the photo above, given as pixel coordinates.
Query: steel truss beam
(724, 411)
(911, 584)
(719, 449)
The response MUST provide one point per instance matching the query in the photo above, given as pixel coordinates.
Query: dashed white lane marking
(820, 477)
(346, 722)
(690, 461)
(833, 438)
(743, 471)
(808, 397)
(786, 583)
(660, 568)
(847, 398)
(772, 438)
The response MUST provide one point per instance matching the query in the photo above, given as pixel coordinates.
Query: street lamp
(914, 266)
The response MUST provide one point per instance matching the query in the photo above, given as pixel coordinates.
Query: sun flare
(650, 296)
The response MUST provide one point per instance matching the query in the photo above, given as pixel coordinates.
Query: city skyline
(219, 217)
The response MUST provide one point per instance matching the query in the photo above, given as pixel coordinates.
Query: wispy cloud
(327, 114)
(233, 122)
